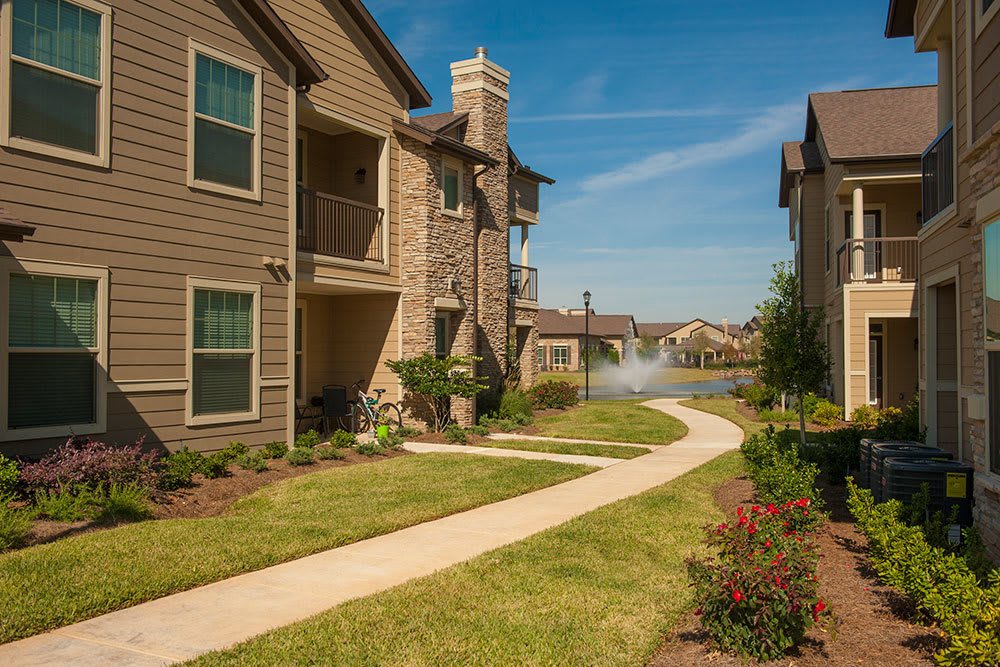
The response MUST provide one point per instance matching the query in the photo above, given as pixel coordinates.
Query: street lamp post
(586, 341)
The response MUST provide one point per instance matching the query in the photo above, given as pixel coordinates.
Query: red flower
(743, 520)
(767, 543)
(820, 606)
(737, 596)
(771, 509)
(755, 509)
(739, 511)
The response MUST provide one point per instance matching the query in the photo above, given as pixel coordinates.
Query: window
(991, 269)
(53, 341)
(224, 376)
(451, 187)
(560, 355)
(57, 64)
(442, 344)
(224, 123)
(541, 356)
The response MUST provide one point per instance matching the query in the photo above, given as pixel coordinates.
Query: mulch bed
(209, 497)
(875, 625)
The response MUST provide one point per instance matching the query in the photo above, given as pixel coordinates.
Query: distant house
(562, 337)
(751, 329)
(676, 338)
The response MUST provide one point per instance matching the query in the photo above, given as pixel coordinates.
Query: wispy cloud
(631, 115)
(589, 91)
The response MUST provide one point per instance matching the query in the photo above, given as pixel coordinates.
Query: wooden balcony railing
(938, 174)
(878, 260)
(523, 283)
(338, 227)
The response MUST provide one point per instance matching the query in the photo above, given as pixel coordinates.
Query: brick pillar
(479, 87)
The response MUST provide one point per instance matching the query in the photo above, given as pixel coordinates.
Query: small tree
(793, 358)
(700, 344)
(436, 381)
(647, 347)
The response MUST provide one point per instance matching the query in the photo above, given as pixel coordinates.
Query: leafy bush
(759, 595)
(778, 473)
(479, 430)
(809, 404)
(216, 465)
(436, 381)
(826, 413)
(82, 461)
(15, 524)
(865, 417)
(370, 448)
(941, 584)
(329, 453)
(10, 473)
(408, 432)
(515, 402)
(176, 470)
(837, 452)
(760, 397)
(392, 441)
(275, 450)
(125, 503)
(254, 461)
(554, 394)
(307, 440)
(777, 416)
(300, 456)
(896, 424)
(343, 440)
(69, 504)
(456, 435)
(234, 450)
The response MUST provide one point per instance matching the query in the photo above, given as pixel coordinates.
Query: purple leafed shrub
(82, 461)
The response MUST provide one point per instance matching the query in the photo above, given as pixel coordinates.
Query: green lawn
(614, 421)
(52, 585)
(602, 589)
(663, 376)
(726, 408)
(577, 448)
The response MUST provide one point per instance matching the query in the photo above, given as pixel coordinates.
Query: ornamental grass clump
(758, 595)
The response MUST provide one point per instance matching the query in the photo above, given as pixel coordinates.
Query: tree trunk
(802, 422)
(702, 361)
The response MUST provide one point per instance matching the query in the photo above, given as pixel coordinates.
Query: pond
(675, 390)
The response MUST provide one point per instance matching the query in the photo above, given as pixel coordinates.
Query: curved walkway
(185, 625)
(596, 461)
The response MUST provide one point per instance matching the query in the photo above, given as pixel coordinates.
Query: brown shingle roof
(659, 329)
(801, 156)
(439, 122)
(554, 323)
(879, 123)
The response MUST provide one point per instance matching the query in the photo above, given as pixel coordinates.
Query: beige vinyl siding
(985, 79)
(140, 219)
(813, 230)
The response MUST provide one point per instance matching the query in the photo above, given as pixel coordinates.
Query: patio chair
(335, 410)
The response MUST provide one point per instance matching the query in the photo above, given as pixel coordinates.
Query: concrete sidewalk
(543, 438)
(188, 624)
(596, 461)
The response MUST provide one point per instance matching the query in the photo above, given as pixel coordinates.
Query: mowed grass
(576, 448)
(602, 589)
(55, 584)
(662, 376)
(614, 421)
(726, 408)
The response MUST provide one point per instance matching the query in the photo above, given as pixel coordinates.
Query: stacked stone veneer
(437, 250)
(479, 87)
(984, 176)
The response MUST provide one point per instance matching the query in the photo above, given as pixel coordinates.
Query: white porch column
(946, 83)
(524, 258)
(858, 232)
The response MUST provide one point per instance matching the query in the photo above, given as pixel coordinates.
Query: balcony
(523, 283)
(938, 174)
(878, 260)
(338, 227)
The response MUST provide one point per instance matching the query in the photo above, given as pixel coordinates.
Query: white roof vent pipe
(482, 52)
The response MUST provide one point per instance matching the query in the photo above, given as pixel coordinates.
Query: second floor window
(451, 187)
(226, 120)
(58, 97)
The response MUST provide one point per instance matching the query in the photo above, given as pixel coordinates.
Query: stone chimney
(725, 328)
(479, 88)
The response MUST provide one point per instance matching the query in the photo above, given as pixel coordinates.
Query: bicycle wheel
(390, 414)
(360, 420)
(346, 422)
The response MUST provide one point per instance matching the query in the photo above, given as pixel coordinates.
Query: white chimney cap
(482, 52)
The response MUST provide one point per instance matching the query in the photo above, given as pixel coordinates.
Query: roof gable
(307, 70)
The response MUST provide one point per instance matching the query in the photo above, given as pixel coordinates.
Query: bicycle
(367, 412)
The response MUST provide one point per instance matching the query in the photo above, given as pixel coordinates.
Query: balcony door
(876, 358)
(873, 249)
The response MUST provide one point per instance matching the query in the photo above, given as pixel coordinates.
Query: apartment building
(563, 336)
(959, 238)
(852, 190)
(206, 227)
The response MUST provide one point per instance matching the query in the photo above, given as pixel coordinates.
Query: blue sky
(662, 121)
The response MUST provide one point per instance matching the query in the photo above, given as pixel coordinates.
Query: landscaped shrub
(436, 381)
(408, 432)
(176, 470)
(865, 417)
(392, 441)
(759, 595)
(233, 451)
(300, 456)
(809, 404)
(554, 394)
(254, 461)
(826, 413)
(307, 440)
(514, 402)
(837, 452)
(124, 503)
(480, 430)
(760, 397)
(276, 449)
(15, 524)
(941, 584)
(456, 435)
(777, 416)
(81, 461)
(343, 440)
(216, 465)
(370, 448)
(69, 504)
(896, 424)
(10, 473)
(502, 425)
(778, 473)
(329, 453)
